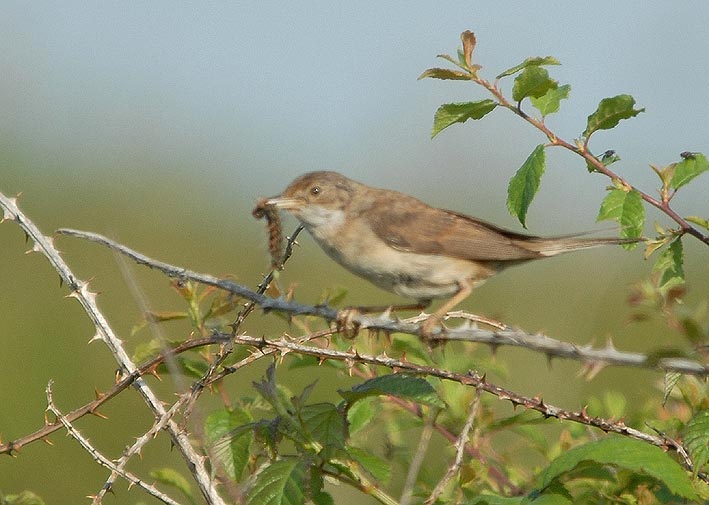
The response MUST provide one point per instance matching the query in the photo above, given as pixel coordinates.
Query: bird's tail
(553, 246)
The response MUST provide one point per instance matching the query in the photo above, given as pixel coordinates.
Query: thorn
(584, 413)
(99, 414)
(35, 248)
(154, 372)
(96, 336)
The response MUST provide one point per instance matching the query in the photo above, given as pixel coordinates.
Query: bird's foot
(345, 322)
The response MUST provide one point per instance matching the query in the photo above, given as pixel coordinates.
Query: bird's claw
(346, 323)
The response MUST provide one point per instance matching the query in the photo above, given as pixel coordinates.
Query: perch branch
(466, 332)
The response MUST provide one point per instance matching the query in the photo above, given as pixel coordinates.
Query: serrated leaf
(378, 467)
(280, 483)
(696, 439)
(671, 379)
(690, 167)
(231, 451)
(451, 113)
(402, 386)
(671, 265)
(626, 207)
(633, 455)
(172, 478)
(550, 101)
(325, 424)
(444, 74)
(530, 62)
(525, 183)
(610, 112)
(534, 81)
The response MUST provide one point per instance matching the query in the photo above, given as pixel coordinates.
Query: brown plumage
(404, 245)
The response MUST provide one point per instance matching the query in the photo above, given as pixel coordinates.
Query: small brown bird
(405, 246)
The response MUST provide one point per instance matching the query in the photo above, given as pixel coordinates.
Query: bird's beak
(281, 202)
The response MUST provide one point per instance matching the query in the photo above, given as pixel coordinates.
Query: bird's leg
(465, 287)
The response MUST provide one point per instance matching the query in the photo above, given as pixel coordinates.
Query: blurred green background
(160, 125)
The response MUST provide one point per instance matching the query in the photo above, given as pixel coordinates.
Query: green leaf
(626, 207)
(359, 415)
(670, 381)
(24, 498)
(280, 483)
(445, 74)
(451, 113)
(378, 467)
(671, 264)
(534, 82)
(633, 455)
(193, 367)
(231, 451)
(615, 404)
(489, 499)
(610, 112)
(691, 166)
(696, 439)
(550, 101)
(173, 478)
(323, 498)
(549, 499)
(699, 221)
(530, 62)
(402, 386)
(525, 183)
(326, 424)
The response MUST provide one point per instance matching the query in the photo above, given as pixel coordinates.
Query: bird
(405, 246)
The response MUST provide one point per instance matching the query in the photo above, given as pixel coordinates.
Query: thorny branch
(582, 150)
(467, 332)
(102, 460)
(385, 323)
(459, 451)
(80, 290)
(474, 379)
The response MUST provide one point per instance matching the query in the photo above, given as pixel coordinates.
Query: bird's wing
(413, 226)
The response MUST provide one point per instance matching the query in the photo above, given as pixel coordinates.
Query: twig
(80, 290)
(103, 397)
(466, 332)
(416, 462)
(459, 451)
(583, 151)
(118, 469)
(199, 385)
(100, 458)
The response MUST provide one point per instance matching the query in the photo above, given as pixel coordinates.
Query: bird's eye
(315, 190)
